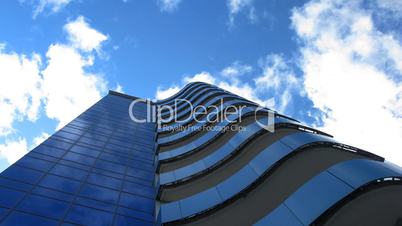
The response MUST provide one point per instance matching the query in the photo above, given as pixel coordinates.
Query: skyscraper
(204, 156)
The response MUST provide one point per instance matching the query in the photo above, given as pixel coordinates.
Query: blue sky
(335, 65)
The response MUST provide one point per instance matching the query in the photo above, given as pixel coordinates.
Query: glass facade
(104, 168)
(97, 170)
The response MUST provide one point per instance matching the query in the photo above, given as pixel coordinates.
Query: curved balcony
(205, 138)
(235, 184)
(198, 117)
(326, 189)
(238, 141)
(191, 97)
(210, 99)
(203, 122)
(215, 101)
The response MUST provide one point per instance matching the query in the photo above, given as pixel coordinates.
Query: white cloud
(200, 77)
(69, 89)
(233, 85)
(13, 150)
(2, 46)
(64, 86)
(392, 5)
(244, 90)
(276, 73)
(278, 79)
(20, 92)
(39, 139)
(82, 36)
(236, 69)
(352, 72)
(237, 6)
(165, 93)
(168, 5)
(119, 88)
(53, 5)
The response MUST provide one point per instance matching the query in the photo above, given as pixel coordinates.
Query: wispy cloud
(391, 5)
(236, 69)
(237, 6)
(278, 79)
(52, 6)
(168, 5)
(118, 88)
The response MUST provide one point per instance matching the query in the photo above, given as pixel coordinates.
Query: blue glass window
(66, 135)
(59, 143)
(108, 173)
(59, 183)
(88, 216)
(140, 173)
(96, 204)
(138, 189)
(69, 172)
(85, 150)
(3, 212)
(103, 180)
(15, 184)
(92, 142)
(110, 166)
(122, 221)
(48, 150)
(137, 202)
(83, 159)
(53, 194)
(41, 156)
(99, 193)
(22, 174)
(9, 198)
(136, 214)
(18, 218)
(34, 163)
(43, 206)
(139, 180)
